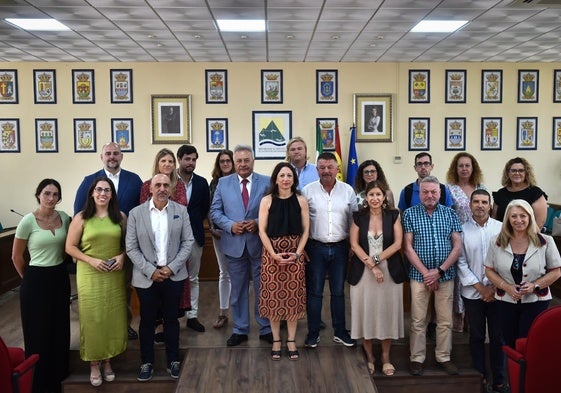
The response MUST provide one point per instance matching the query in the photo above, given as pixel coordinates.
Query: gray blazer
(142, 251)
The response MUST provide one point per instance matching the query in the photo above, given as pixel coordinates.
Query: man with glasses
(128, 185)
(410, 194)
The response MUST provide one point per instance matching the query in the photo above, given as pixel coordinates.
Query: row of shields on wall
(47, 135)
(491, 86)
(491, 133)
(272, 90)
(83, 86)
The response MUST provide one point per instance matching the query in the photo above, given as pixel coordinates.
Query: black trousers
(45, 320)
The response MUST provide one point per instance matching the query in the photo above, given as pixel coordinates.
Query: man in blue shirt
(432, 245)
(297, 155)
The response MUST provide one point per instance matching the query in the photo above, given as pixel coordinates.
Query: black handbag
(398, 267)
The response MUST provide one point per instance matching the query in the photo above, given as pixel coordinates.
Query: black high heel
(276, 355)
(292, 355)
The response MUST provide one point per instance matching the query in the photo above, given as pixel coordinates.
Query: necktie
(245, 193)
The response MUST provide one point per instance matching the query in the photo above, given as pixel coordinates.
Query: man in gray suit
(159, 241)
(235, 208)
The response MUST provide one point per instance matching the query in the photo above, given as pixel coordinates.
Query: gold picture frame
(171, 119)
(373, 114)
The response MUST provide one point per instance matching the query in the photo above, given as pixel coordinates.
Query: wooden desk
(9, 277)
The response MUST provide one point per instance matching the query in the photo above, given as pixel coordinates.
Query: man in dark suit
(235, 208)
(198, 203)
(128, 186)
(159, 240)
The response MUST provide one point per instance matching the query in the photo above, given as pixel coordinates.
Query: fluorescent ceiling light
(438, 26)
(241, 24)
(47, 24)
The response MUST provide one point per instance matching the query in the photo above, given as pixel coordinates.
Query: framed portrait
(373, 114)
(122, 133)
(419, 133)
(121, 86)
(491, 86)
(556, 141)
(84, 136)
(83, 87)
(9, 86)
(10, 142)
(216, 86)
(328, 130)
(556, 85)
(526, 133)
(216, 134)
(456, 86)
(419, 86)
(271, 86)
(271, 132)
(171, 119)
(455, 133)
(44, 86)
(528, 86)
(491, 133)
(46, 135)
(327, 90)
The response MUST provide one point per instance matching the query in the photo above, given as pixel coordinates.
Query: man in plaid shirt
(432, 245)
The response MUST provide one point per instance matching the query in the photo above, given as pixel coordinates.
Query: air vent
(536, 3)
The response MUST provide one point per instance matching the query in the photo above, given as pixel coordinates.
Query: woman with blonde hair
(521, 263)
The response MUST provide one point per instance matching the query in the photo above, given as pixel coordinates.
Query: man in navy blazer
(159, 241)
(198, 203)
(126, 183)
(128, 186)
(240, 240)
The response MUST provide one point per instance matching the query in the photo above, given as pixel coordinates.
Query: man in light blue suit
(159, 241)
(240, 241)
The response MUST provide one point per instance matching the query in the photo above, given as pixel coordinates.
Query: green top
(101, 238)
(45, 249)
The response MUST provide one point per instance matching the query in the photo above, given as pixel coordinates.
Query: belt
(330, 244)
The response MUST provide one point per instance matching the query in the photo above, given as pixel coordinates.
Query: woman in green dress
(95, 241)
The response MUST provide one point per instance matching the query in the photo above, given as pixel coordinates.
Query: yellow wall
(21, 172)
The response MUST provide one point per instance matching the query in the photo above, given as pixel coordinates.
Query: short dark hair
(47, 182)
(480, 191)
(327, 156)
(185, 150)
(422, 154)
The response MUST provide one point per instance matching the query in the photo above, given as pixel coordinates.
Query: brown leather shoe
(449, 367)
(220, 322)
(416, 368)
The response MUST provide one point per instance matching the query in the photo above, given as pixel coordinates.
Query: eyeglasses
(100, 190)
(370, 172)
(225, 161)
(514, 170)
(424, 163)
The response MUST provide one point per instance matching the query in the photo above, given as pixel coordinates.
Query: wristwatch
(537, 288)
(376, 260)
(440, 271)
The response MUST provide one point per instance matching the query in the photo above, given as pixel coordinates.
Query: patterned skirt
(282, 295)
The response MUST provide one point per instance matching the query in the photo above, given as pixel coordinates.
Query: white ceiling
(298, 31)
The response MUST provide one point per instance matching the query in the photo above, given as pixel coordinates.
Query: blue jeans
(482, 316)
(165, 297)
(516, 318)
(326, 258)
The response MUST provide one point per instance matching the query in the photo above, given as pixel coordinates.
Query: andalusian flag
(319, 143)
(338, 153)
(352, 165)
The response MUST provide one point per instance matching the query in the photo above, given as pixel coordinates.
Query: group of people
(285, 233)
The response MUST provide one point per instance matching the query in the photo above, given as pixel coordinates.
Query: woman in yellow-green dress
(95, 241)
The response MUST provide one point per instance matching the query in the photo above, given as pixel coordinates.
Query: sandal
(220, 322)
(292, 355)
(108, 373)
(388, 369)
(371, 368)
(276, 354)
(95, 374)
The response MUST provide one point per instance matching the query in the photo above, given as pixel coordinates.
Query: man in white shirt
(331, 207)
(478, 292)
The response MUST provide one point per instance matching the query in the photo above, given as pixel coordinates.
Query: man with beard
(432, 245)
(198, 203)
(128, 185)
